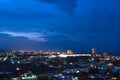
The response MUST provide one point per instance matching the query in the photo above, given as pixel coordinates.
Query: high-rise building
(105, 54)
(69, 52)
(94, 52)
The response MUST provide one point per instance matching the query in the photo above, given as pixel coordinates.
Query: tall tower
(94, 52)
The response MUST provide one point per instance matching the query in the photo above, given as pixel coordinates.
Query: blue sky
(78, 25)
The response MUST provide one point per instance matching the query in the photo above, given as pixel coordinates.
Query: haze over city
(78, 25)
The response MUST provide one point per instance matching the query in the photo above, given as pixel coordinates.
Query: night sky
(59, 25)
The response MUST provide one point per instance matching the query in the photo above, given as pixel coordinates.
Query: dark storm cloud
(95, 23)
(48, 1)
(105, 19)
(64, 5)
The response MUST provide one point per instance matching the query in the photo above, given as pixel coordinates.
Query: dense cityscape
(47, 65)
(59, 40)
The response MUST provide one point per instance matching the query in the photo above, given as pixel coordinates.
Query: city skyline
(78, 25)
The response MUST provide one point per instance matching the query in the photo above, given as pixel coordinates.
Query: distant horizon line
(99, 52)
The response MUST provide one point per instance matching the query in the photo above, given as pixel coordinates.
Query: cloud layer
(35, 36)
(64, 5)
(94, 23)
